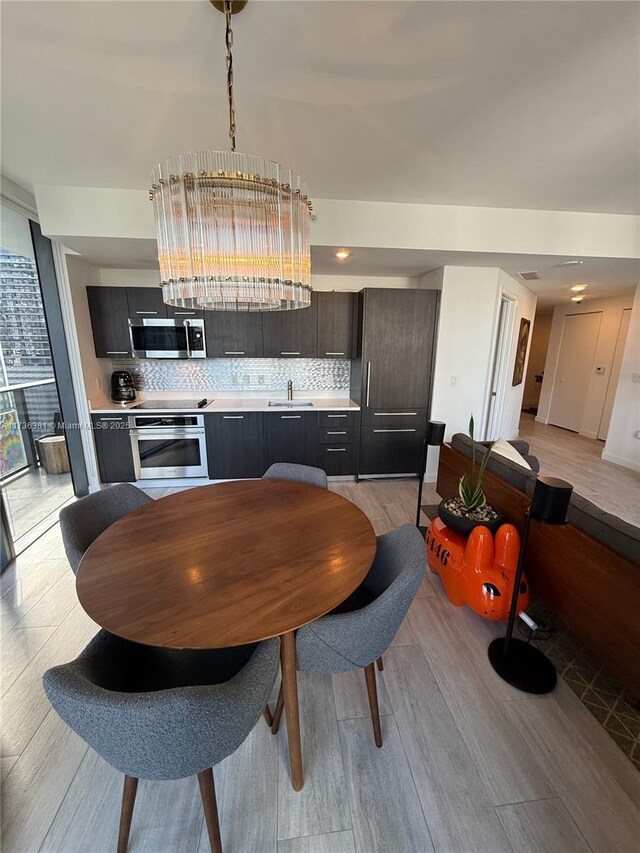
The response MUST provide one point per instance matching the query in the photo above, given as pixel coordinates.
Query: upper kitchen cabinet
(291, 333)
(109, 311)
(146, 302)
(398, 344)
(335, 321)
(233, 335)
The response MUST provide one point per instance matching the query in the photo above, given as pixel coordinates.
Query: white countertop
(231, 404)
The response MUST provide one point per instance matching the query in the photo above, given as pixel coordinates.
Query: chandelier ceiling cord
(232, 229)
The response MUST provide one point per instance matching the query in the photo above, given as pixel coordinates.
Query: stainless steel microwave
(152, 338)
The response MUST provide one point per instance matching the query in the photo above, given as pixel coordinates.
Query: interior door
(614, 374)
(575, 366)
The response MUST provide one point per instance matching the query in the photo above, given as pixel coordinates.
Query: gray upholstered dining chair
(84, 520)
(358, 631)
(161, 714)
(300, 473)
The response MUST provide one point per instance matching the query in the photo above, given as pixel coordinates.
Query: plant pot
(464, 525)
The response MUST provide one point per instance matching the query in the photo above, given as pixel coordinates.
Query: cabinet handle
(336, 449)
(397, 414)
(111, 419)
(234, 352)
(395, 430)
(289, 353)
(189, 313)
(368, 381)
(148, 312)
(336, 432)
(117, 352)
(290, 417)
(334, 353)
(337, 416)
(233, 417)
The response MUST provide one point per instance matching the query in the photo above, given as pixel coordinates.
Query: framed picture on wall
(521, 352)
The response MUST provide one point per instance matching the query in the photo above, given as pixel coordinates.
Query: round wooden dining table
(226, 565)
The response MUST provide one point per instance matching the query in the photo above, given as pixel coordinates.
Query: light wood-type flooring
(574, 458)
(468, 763)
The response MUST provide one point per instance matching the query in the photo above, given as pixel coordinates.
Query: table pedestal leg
(290, 689)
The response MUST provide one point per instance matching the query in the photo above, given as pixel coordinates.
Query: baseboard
(620, 460)
(587, 433)
(541, 420)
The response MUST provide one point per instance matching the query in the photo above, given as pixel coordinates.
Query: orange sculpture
(477, 570)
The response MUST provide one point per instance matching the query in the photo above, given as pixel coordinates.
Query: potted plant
(469, 508)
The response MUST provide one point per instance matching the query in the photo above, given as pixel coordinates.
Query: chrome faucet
(290, 390)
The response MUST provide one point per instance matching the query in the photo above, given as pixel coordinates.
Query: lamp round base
(526, 667)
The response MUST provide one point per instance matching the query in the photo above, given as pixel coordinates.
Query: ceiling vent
(530, 276)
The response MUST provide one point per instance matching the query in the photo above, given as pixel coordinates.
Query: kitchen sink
(290, 404)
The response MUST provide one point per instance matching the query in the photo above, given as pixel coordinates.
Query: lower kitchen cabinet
(392, 443)
(113, 448)
(234, 445)
(290, 437)
(337, 459)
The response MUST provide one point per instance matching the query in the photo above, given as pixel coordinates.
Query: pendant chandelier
(232, 228)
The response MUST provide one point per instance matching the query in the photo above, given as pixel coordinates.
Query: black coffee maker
(122, 387)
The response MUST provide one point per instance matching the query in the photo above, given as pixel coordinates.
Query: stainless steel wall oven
(167, 446)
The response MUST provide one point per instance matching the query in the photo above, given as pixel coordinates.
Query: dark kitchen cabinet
(391, 376)
(183, 313)
(290, 437)
(337, 459)
(109, 312)
(392, 447)
(291, 333)
(146, 302)
(398, 344)
(335, 322)
(235, 447)
(231, 334)
(113, 447)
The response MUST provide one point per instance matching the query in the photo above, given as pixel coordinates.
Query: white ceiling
(506, 104)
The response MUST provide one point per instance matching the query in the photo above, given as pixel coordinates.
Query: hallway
(574, 458)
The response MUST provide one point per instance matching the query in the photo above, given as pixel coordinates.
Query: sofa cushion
(515, 475)
(621, 536)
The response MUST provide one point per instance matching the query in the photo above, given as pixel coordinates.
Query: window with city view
(29, 407)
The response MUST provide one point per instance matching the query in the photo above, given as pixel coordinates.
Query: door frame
(499, 377)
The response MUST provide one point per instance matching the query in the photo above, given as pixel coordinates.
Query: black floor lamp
(516, 661)
(434, 437)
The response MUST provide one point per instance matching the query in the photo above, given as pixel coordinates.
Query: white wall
(99, 212)
(513, 394)
(96, 371)
(611, 309)
(467, 332)
(537, 358)
(623, 440)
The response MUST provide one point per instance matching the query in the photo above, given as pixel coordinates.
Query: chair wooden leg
(380, 663)
(266, 713)
(126, 812)
(210, 807)
(277, 714)
(370, 675)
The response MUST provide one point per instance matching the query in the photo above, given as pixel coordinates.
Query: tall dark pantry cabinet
(392, 377)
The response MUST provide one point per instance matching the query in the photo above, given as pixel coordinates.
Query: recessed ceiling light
(577, 299)
(343, 254)
(570, 263)
(578, 288)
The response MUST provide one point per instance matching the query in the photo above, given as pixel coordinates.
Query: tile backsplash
(237, 374)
